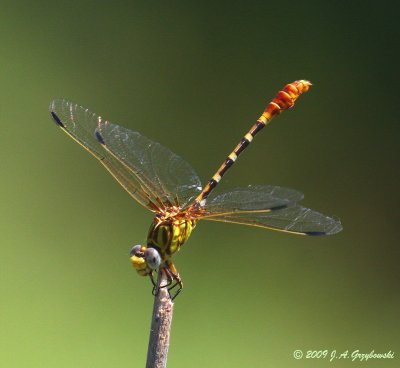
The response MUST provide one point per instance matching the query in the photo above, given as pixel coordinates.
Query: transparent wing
(166, 175)
(295, 219)
(253, 198)
(80, 124)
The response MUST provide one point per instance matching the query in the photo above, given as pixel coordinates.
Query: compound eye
(152, 258)
(134, 250)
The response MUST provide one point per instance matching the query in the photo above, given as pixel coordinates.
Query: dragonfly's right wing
(268, 207)
(261, 198)
(293, 219)
(80, 124)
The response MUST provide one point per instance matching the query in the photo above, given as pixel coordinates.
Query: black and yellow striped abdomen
(169, 235)
(284, 100)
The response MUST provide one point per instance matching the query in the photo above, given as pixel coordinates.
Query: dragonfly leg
(173, 281)
(152, 279)
(155, 282)
(155, 287)
(173, 275)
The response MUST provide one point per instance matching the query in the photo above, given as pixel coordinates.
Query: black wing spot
(56, 119)
(315, 233)
(281, 207)
(99, 137)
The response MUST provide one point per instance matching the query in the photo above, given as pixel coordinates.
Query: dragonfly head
(145, 259)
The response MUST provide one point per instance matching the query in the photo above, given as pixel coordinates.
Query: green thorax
(168, 236)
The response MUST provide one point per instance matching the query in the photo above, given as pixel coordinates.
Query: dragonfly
(169, 187)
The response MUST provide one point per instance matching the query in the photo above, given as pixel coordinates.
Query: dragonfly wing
(166, 175)
(260, 198)
(294, 219)
(80, 124)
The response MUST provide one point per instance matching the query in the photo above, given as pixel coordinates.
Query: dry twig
(160, 326)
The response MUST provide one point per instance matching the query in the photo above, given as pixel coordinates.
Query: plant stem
(160, 326)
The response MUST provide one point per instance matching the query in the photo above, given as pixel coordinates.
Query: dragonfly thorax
(168, 235)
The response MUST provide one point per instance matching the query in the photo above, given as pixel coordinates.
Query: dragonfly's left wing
(80, 125)
(151, 173)
(293, 219)
(166, 175)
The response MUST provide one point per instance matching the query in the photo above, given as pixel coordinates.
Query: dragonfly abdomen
(283, 100)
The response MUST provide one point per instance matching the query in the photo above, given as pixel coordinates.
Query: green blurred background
(194, 76)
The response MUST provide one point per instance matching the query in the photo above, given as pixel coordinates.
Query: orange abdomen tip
(286, 98)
